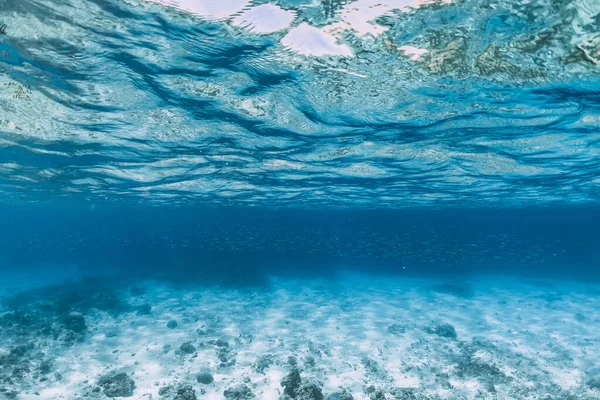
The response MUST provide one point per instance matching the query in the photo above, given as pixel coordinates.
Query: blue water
(299, 200)
(132, 100)
(222, 243)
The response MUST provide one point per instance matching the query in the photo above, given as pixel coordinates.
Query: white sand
(528, 333)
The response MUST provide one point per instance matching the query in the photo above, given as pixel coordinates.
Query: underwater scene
(299, 199)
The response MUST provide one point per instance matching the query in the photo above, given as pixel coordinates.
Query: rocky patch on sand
(89, 343)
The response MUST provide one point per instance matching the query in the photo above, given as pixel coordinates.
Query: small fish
(2, 29)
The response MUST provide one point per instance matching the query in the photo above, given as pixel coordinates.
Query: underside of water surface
(389, 103)
(299, 199)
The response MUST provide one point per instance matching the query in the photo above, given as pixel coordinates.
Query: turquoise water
(469, 103)
(299, 200)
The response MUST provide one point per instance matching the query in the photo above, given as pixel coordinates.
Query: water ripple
(292, 103)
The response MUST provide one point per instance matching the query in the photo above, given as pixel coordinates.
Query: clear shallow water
(108, 301)
(371, 104)
(368, 200)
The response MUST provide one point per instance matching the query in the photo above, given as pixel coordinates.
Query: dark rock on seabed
(180, 391)
(45, 367)
(309, 391)
(204, 377)
(262, 363)
(309, 361)
(377, 395)
(187, 348)
(15, 355)
(291, 382)
(466, 364)
(8, 394)
(292, 361)
(116, 384)
(442, 330)
(295, 389)
(172, 324)
(239, 392)
(372, 367)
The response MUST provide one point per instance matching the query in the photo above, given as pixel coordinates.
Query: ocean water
(299, 199)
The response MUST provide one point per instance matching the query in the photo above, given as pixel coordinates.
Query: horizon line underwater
(299, 199)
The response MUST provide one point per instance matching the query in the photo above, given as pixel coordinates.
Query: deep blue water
(215, 244)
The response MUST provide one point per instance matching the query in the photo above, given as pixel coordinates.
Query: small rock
(187, 348)
(205, 378)
(180, 391)
(117, 384)
(239, 392)
(443, 330)
(172, 324)
(11, 394)
(309, 391)
(45, 367)
(291, 382)
(262, 363)
(223, 354)
(377, 395)
(165, 390)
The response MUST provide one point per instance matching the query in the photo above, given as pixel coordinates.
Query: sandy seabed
(352, 338)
